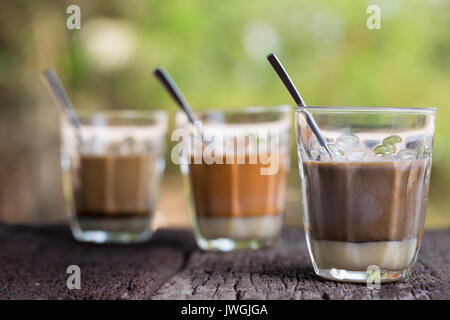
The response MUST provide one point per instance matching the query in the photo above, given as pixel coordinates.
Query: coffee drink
(115, 192)
(234, 164)
(365, 213)
(234, 200)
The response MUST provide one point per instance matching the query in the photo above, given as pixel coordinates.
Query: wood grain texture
(34, 261)
(285, 272)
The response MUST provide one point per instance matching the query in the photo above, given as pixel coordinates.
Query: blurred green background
(216, 52)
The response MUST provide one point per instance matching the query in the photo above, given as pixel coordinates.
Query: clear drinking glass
(236, 176)
(111, 178)
(364, 205)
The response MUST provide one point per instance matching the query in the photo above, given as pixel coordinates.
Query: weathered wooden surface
(33, 264)
(285, 272)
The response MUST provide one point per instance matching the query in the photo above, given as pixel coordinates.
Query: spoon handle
(60, 94)
(56, 89)
(171, 87)
(175, 92)
(284, 76)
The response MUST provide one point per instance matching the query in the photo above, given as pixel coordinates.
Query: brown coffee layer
(114, 185)
(106, 214)
(365, 201)
(238, 190)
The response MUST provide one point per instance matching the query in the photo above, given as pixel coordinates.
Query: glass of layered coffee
(235, 164)
(111, 175)
(365, 198)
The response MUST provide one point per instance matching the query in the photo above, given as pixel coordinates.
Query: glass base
(111, 230)
(389, 261)
(111, 237)
(225, 244)
(361, 276)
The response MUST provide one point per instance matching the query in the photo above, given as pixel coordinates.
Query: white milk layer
(352, 256)
(261, 228)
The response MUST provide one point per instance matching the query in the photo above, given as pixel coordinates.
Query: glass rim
(122, 118)
(366, 109)
(126, 114)
(247, 110)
